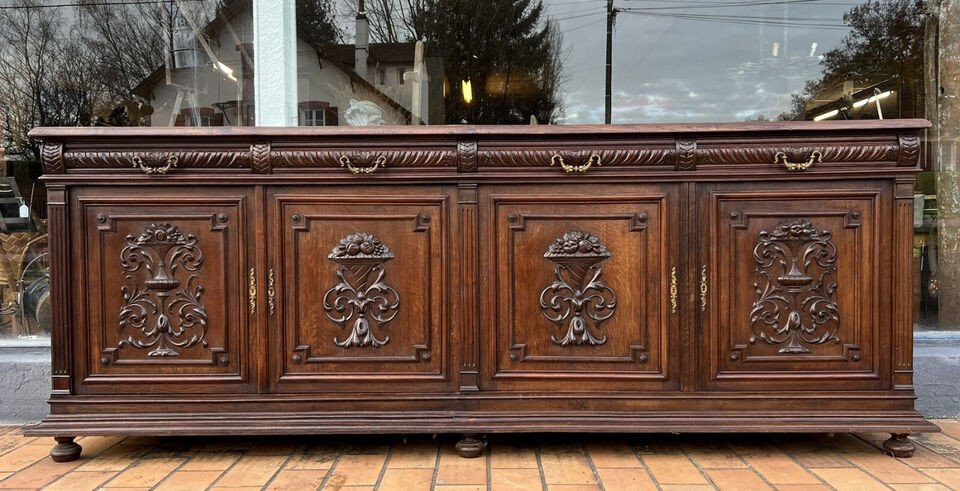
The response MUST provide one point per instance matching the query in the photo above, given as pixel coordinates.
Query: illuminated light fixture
(776, 49)
(813, 49)
(224, 69)
(826, 115)
(864, 102)
(466, 86)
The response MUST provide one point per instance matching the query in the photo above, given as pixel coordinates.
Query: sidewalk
(518, 462)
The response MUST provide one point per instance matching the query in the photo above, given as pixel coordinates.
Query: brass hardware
(558, 159)
(815, 158)
(171, 163)
(703, 288)
(271, 292)
(380, 162)
(673, 290)
(253, 291)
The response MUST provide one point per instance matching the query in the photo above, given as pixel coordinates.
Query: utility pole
(608, 97)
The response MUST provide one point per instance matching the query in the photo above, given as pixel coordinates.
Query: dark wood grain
(471, 286)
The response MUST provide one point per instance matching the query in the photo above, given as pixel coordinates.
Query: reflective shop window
(101, 63)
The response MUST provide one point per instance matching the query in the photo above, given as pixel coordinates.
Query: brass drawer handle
(271, 292)
(171, 162)
(816, 157)
(674, 290)
(594, 160)
(703, 289)
(381, 161)
(253, 291)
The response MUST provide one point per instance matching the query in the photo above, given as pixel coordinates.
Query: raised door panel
(361, 288)
(789, 293)
(162, 301)
(577, 289)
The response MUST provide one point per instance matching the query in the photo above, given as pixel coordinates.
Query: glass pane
(545, 61)
(103, 63)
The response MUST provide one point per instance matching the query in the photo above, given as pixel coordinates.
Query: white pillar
(275, 62)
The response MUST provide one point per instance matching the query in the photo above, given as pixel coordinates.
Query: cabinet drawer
(161, 272)
(361, 288)
(578, 295)
(790, 286)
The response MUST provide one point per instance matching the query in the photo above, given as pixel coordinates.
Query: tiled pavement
(521, 462)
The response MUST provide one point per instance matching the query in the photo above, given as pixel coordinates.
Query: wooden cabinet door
(790, 285)
(576, 287)
(362, 298)
(160, 278)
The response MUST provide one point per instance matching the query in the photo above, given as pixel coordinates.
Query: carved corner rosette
(796, 289)
(578, 298)
(159, 311)
(361, 298)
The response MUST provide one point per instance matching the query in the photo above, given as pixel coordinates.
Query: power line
(86, 4)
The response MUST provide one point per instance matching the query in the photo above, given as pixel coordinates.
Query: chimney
(362, 42)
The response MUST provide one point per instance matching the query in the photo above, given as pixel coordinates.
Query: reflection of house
(211, 80)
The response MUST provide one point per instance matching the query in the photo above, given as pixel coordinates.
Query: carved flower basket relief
(578, 299)
(361, 300)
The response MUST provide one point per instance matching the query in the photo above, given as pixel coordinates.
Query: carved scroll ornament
(578, 297)
(795, 304)
(361, 295)
(159, 311)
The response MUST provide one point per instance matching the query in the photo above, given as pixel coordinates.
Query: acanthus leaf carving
(197, 160)
(795, 304)
(51, 156)
(164, 313)
(260, 161)
(361, 294)
(578, 297)
(609, 157)
(395, 158)
(747, 154)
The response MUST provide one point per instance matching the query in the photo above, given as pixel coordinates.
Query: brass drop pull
(674, 290)
(271, 292)
(816, 157)
(171, 162)
(557, 159)
(253, 291)
(703, 288)
(381, 161)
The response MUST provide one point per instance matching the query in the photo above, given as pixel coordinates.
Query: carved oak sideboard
(663, 278)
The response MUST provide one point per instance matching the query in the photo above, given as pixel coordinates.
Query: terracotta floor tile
(687, 487)
(888, 469)
(406, 479)
(358, 470)
(630, 479)
(335, 483)
(612, 454)
(116, 458)
(950, 427)
(146, 473)
(573, 487)
(211, 461)
(820, 458)
(673, 469)
(515, 479)
(252, 470)
(313, 458)
(920, 487)
(188, 480)
(4, 475)
(81, 481)
(417, 455)
(22, 457)
(939, 443)
(96, 445)
(233, 488)
(950, 477)
(924, 457)
(11, 441)
(507, 456)
(566, 465)
(277, 447)
(456, 487)
(848, 479)
(737, 479)
(39, 474)
(803, 487)
(456, 470)
(296, 480)
(714, 455)
(778, 468)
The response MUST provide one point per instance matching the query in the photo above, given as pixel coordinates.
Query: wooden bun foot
(66, 449)
(900, 446)
(470, 447)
